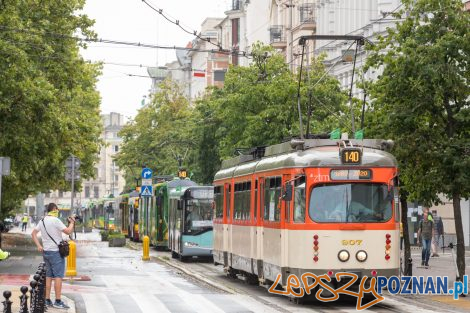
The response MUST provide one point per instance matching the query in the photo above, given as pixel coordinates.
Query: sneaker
(60, 305)
(48, 302)
(426, 265)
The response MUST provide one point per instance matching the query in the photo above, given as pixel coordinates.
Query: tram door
(227, 230)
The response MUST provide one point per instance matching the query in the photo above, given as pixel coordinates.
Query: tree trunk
(406, 237)
(459, 232)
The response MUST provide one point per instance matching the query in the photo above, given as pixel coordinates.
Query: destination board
(360, 174)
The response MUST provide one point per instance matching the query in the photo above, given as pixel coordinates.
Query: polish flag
(198, 73)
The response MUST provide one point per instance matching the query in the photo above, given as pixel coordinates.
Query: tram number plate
(351, 156)
(361, 174)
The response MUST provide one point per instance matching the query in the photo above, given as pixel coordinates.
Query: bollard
(146, 248)
(72, 260)
(7, 303)
(410, 267)
(32, 296)
(24, 300)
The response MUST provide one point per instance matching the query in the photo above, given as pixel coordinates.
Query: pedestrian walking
(425, 233)
(51, 229)
(24, 221)
(438, 232)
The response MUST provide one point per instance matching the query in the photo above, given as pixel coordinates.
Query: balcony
(277, 36)
(306, 17)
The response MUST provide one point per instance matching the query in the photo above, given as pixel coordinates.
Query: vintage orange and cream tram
(313, 205)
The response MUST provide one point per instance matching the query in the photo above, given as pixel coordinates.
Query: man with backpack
(51, 229)
(426, 230)
(438, 232)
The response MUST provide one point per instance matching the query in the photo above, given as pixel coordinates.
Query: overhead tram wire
(120, 42)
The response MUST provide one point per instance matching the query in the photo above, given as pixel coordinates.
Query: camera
(77, 218)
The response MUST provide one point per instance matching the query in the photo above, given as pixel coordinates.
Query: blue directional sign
(146, 173)
(146, 191)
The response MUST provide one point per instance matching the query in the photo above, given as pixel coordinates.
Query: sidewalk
(17, 270)
(442, 266)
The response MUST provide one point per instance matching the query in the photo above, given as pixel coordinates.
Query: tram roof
(308, 153)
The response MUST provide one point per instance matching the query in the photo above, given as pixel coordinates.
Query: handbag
(63, 245)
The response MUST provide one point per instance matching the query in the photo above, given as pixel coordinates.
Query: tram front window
(351, 203)
(198, 216)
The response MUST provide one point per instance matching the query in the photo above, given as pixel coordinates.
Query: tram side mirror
(180, 204)
(287, 194)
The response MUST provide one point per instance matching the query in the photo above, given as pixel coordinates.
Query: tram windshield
(198, 216)
(351, 203)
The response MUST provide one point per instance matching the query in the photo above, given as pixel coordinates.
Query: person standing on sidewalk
(52, 226)
(438, 232)
(425, 230)
(24, 221)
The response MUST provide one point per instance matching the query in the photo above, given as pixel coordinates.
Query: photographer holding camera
(51, 229)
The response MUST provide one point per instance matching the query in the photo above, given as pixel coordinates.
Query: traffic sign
(76, 162)
(4, 166)
(68, 175)
(146, 173)
(146, 182)
(146, 191)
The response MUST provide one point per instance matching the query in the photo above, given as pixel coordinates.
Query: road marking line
(97, 303)
(149, 304)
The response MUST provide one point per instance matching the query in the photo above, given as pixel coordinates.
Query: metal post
(350, 91)
(33, 297)
(73, 181)
(298, 94)
(24, 300)
(7, 303)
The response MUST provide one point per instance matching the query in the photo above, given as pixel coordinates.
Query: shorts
(55, 264)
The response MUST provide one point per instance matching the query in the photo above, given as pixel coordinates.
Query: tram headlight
(343, 255)
(361, 255)
(190, 244)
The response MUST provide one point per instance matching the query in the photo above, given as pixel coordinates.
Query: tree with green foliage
(49, 107)
(258, 104)
(161, 134)
(422, 98)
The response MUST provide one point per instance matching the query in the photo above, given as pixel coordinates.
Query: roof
(315, 153)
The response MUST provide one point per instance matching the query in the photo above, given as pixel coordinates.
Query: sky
(134, 21)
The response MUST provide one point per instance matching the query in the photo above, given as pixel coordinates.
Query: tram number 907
(351, 242)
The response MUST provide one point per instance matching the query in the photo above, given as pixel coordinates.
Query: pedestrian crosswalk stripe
(149, 303)
(199, 303)
(97, 303)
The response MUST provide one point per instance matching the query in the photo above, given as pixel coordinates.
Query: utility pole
(289, 37)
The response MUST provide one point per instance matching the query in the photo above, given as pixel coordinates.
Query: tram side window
(272, 192)
(242, 201)
(219, 202)
(246, 202)
(299, 200)
(237, 203)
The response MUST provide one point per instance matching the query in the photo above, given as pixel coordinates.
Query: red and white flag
(199, 73)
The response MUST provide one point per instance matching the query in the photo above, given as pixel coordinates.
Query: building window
(219, 76)
(87, 191)
(96, 192)
(116, 148)
(116, 178)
